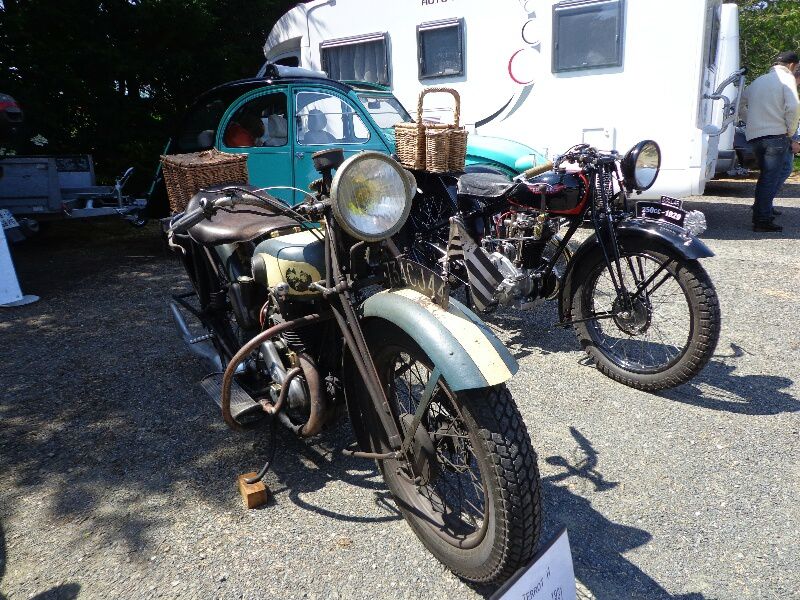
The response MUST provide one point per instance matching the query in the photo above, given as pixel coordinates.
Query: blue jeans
(774, 156)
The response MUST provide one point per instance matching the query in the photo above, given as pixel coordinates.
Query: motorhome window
(440, 47)
(258, 122)
(386, 111)
(712, 35)
(322, 119)
(587, 34)
(356, 59)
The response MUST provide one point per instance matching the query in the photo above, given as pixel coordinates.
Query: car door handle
(299, 154)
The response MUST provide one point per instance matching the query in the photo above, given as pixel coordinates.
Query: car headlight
(371, 196)
(641, 164)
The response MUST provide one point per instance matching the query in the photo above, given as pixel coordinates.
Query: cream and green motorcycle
(310, 310)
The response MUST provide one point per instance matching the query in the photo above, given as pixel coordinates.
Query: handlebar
(538, 170)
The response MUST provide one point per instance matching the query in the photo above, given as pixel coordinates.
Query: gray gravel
(117, 475)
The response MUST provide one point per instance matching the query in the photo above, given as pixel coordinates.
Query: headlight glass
(641, 164)
(647, 164)
(371, 196)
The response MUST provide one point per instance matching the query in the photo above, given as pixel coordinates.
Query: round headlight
(371, 196)
(641, 164)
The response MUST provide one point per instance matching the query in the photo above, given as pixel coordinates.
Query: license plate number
(7, 219)
(406, 273)
(661, 212)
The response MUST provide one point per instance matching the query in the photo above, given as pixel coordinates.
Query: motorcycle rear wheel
(477, 505)
(669, 334)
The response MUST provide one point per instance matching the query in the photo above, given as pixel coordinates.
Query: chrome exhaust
(199, 346)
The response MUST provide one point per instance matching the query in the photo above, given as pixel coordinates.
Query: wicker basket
(433, 147)
(187, 174)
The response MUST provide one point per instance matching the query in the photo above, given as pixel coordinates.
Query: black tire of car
(704, 312)
(507, 464)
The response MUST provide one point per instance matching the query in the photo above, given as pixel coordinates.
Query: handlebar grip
(188, 220)
(533, 171)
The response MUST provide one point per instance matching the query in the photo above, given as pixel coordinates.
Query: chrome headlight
(371, 196)
(641, 164)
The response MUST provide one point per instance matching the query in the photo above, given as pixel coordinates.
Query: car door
(257, 124)
(324, 118)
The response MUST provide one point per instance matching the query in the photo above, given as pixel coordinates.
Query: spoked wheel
(469, 487)
(659, 335)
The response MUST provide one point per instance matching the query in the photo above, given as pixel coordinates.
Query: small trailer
(548, 73)
(46, 188)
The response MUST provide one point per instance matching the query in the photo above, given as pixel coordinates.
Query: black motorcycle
(643, 307)
(309, 311)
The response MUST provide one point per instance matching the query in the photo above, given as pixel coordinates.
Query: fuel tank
(296, 259)
(564, 193)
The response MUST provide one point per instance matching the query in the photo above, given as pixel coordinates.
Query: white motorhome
(543, 72)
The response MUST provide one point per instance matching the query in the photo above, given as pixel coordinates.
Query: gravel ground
(117, 474)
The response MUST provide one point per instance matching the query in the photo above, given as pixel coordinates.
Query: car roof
(255, 82)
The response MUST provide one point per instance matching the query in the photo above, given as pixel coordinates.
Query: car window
(199, 128)
(260, 121)
(322, 118)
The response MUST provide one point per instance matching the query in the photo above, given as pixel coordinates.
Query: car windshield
(385, 110)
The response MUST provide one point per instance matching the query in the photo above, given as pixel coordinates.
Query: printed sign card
(550, 576)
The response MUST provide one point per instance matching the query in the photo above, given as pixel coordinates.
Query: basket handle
(446, 90)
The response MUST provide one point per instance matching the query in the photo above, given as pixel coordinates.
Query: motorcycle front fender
(464, 349)
(661, 235)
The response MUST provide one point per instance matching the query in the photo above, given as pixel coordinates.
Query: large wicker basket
(187, 174)
(433, 147)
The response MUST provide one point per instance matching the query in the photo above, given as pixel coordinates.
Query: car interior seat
(277, 130)
(316, 133)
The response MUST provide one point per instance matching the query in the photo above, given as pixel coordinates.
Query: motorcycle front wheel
(471, 488)
(659, 336)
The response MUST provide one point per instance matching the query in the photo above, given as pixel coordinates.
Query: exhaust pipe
(297, 393)
(197, 346)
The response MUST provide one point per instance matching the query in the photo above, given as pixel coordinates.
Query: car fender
(464, 349)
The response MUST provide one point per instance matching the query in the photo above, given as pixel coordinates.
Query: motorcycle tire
(488, 443)
(685, 353)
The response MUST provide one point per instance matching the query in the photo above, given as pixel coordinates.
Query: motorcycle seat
(484, 185)
(241, 223)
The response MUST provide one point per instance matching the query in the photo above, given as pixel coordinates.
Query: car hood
(482, 149)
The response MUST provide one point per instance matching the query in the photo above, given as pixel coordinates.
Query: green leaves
(109, 77)
(766, 28)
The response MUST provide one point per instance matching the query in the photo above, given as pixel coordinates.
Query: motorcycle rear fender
(661, 236)
(464, 349)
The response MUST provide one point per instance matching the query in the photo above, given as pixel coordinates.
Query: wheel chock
(253, 494)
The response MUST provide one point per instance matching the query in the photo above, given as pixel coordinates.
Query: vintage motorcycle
(642, 306)
(310, 311)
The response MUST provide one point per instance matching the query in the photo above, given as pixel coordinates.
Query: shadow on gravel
(733, 220)
(2, 558)
(717, 387)
(68, 591)
(303, 467)
(597, 543)
(533, 332)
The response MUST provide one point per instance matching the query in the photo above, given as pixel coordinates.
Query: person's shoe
(767, 227)
(775, 213)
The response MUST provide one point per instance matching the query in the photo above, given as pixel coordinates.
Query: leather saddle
(240, 223)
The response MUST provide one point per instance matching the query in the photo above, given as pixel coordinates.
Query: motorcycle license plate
(673, 202)
(658, 211)
(402, 272)
(7, 220)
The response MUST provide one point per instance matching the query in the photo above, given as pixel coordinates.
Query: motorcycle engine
(526, 238)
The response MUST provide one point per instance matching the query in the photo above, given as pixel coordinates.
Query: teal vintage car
(281, 119)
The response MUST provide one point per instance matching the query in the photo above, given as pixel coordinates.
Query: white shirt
(770, 104)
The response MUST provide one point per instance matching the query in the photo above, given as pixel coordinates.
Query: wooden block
(253, 494)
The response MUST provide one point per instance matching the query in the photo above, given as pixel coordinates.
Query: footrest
(243, 408)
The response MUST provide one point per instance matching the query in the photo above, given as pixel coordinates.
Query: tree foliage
(766, 28)
(108, 77)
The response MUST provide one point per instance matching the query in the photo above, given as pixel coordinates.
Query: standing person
(771, 107)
